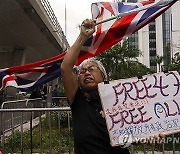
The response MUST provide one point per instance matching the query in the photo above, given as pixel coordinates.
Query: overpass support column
(12, 57)
(18, 57)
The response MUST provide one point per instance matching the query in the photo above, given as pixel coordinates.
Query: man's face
(89, 76)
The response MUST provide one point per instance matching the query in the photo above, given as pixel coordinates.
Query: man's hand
(87, 27)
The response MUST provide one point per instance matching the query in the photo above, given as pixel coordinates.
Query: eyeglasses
(89, 69)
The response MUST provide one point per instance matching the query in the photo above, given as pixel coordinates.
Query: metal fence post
(31, 138)
(1, 122)
(59, 128)
(69, 133)
(49, 96)
(22, 149)
(3, 135)
(40, 130)
(12, 125)
(132, 149)
(49, 105)
(174, 148)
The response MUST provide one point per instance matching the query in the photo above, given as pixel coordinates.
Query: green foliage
(62, 91)
(159, 59)
(13, 142)
(175, 65)
(121, 62)
(55, 117)
(137, 69)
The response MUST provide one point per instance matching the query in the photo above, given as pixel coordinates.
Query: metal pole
(59, 132)
(49, 96)
(22, 132)
(132, 149)
(174, 147)
(49, 105)
(144, 149)
(3, 135)
(163, 147)
(12, 126)
(31, 145)
(1, 124)
(50, 132)
(40, 129)
(160, 3)
(69, 131)
(36, 109)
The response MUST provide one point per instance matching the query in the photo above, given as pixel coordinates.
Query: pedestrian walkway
(26, 126)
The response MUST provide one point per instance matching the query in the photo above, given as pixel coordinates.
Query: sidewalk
(26, 126)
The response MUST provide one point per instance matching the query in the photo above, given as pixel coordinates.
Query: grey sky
(76, 11)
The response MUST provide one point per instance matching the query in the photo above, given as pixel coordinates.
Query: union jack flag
(32, 75)
(106, 35)
(109, 33)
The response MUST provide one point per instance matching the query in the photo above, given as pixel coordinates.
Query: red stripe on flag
(108, 7)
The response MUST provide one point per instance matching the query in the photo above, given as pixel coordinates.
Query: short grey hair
(99, 64)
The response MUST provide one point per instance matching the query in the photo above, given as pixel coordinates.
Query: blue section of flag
(122, 7)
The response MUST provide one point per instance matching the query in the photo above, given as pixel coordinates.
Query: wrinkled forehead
(88, 64)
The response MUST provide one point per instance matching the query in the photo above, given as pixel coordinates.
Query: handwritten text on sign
(141, 107)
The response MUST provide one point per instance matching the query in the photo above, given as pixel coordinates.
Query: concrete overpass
(29, 32)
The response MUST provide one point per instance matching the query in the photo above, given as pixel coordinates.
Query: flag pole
(160, 3)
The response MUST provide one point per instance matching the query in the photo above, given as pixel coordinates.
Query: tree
(175, 63)
(158, 60)
(121, 62)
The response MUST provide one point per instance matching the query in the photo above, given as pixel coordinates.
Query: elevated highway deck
(29, 32)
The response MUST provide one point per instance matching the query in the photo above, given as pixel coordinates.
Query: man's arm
(70, 81)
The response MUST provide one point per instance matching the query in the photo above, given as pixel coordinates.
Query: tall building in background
(159, 38)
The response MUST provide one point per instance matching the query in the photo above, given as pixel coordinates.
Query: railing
(29, 126)
(10, 122)
(53, 18)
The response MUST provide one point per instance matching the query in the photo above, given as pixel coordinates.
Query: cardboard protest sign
(139, 108)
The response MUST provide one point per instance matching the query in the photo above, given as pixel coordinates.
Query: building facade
(159, 38)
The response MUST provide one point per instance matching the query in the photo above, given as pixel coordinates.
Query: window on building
(152, 52)
(133, 41)
(166, 36)
(152, 27)
(152, 36)
(152, 44)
